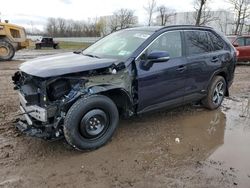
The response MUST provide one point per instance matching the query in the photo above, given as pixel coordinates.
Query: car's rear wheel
(56, 46)
(38, 46)
(7, 51)
(91, 122)
(216, 93)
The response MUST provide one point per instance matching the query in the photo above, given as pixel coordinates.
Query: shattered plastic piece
(177, 140)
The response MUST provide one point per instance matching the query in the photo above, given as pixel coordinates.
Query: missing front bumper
(47, 132)
(23, 126)
(36, 111)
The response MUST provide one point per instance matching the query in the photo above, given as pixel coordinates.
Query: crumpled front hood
(64, 63)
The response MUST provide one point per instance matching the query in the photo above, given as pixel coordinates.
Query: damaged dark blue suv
(81, 95)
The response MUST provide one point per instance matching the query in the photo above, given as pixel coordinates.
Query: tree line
(125, 18)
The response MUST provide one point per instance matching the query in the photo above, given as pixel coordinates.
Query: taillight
(237, 53)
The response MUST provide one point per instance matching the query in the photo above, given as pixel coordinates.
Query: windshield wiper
(77, 52)
(91, 55)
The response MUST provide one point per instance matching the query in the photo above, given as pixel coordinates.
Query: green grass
(65, 45)
(73, 45)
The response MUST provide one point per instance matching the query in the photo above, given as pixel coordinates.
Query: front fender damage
(114, 83)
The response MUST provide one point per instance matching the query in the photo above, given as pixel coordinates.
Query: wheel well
(224, 75)
(122, 100)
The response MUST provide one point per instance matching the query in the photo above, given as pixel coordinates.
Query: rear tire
(91, 122)
(38, 46)
(216, 93)
(56, 46)
(7, 50)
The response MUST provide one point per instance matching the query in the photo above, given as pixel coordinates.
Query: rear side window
(218, 44)
(247, 41)
(197, 42)
(240, 41)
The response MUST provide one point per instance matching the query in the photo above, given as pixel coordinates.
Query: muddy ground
(214, 147)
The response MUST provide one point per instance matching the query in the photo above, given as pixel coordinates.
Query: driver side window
(169, 42)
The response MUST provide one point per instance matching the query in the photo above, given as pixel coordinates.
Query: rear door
(247, 49)
(242, 49)
(202, 62)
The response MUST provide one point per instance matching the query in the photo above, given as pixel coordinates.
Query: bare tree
(59, 27)
(150, 9)
(223, 24)
(202, 13)
(51, 27)
(121, 19)
(241, 7)
(165, 14)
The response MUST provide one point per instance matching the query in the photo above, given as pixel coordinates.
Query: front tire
(216, 93)
(91, 122)
(7, 51)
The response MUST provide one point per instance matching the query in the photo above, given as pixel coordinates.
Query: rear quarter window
(217, 42)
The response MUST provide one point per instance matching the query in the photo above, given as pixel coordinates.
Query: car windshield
(118, 45)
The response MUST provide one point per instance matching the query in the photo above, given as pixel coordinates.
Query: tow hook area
(47, 133)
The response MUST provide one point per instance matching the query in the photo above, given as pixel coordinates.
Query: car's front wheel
(91, 122)
(216, 93)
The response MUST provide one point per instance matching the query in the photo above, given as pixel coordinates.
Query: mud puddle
(234, 154)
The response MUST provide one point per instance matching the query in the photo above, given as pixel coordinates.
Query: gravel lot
(213, 148)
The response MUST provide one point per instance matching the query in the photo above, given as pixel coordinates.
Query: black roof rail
(187, 26)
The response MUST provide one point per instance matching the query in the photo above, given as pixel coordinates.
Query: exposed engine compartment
(44, 102)
(58, 89)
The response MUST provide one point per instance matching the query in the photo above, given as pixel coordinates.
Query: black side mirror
(155, 57)
(158, 56)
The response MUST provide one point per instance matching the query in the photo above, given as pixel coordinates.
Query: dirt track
(213, 150)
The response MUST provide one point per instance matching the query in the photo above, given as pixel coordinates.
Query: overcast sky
(32, 12)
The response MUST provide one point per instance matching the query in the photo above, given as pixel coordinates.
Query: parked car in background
(47, 42)
(81, 95)
(242, 45)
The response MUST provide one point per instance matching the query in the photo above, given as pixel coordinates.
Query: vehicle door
(205, 55)
(50, 42)
(163, 83)
(43, 42)
(247, 49)
(241, 48)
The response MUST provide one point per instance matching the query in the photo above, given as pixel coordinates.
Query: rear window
(197, 42)
(247, 41)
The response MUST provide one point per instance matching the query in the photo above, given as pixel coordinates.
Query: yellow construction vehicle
(12, 38)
